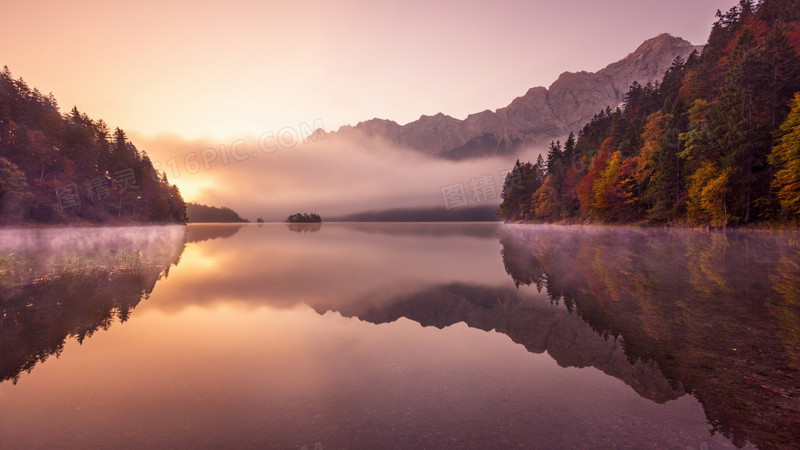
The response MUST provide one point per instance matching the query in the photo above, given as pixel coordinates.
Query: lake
(467, 335)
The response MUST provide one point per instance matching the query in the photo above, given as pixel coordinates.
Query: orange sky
(220, 71)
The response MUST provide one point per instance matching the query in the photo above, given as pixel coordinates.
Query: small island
(304, 218)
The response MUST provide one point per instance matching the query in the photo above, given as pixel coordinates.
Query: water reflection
(57, 284)
(200, 232)
(717, 313)
(569, 340)
(666, 312)
(339, 265)
(304, 227)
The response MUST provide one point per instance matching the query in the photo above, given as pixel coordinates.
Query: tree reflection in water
(718, 313)
(668, 312)
(304, 227)
(57, 284)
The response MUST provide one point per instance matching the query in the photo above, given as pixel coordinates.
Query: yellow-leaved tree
(708, 188)
(785, 157)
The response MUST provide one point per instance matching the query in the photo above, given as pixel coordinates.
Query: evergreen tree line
(715, 142)
(62, 168)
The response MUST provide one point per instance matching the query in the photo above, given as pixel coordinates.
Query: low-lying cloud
(334, 175)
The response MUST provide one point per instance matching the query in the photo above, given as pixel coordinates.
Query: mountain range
(541, 115)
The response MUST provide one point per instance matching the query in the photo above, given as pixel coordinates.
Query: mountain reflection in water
(667, 312)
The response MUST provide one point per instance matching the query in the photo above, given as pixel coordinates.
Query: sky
(189, 74)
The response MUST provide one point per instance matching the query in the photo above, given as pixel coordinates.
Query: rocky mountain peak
(538, 116)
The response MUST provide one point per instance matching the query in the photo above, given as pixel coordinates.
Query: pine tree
(72, 154)
(743, 128)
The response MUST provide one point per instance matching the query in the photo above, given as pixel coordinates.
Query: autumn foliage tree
(785, 157)
(714, 143)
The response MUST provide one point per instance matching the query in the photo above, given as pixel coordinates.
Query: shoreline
(749, 227)
(792, 228)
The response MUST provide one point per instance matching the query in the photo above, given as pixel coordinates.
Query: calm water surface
(398, 335)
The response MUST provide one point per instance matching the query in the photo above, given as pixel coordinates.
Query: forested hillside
(197, 213)
(716, 142)
(68, 168)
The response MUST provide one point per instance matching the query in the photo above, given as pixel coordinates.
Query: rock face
(538, 116)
